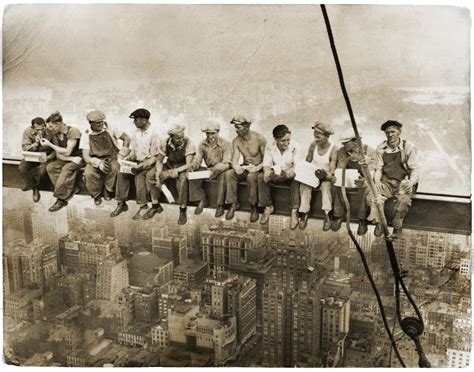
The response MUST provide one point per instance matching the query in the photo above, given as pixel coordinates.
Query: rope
(412, 326)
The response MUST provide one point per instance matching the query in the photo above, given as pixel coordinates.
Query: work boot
(254, 213)
(143, 208)
(36, 195)
(336, 224)
(121, 207)
(378, 231)
(327, 223)
(303, 220)
(107, 195)
(98, 200)
(58, 205)
(294, 219)
(182, 216)
(155, 208)
(202, 204)
(266, 214)
(362, 229)
(231, 212)
(219, 211)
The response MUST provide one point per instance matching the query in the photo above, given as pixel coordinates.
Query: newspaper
(36, 157)
(305, 174)
(126, 166)
(199, 175)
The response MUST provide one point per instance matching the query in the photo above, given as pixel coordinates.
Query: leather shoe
(266, 214)
(362, 229)
(121, 207)
(182, 216)
(254, 213)
(219, 211)
(36, 195)
(58, 205)
(294, 219)
(378, 231)
(327, 223)
(107, 195)
(152, 211)
(97, 200)
(336, 224)
(231, 212)
(303, 221)
(138, 215)
(202, 204)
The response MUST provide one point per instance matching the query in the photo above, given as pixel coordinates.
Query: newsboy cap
(176, 129)
(141, 113)
(95, 116)
(348, 135)
(38, 120)
(241, 119)
(211, 127)
(55, 117)
(391, 123)
(323, 128)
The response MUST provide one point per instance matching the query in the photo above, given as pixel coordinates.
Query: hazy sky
(376, 43)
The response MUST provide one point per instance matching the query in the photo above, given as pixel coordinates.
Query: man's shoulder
(408, 145)
(259, 136)
(28, 131)
(73, 132)
(381, 146)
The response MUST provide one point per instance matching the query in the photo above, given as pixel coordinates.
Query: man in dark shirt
(32, 172)
(63, 170)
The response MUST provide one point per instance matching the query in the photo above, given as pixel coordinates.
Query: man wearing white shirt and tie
(279, 167)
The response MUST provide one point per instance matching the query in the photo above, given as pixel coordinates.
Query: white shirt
(273, 158)
(145, 144)
(322, 161)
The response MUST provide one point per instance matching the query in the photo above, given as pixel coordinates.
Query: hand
(163, 176)
(378, 186)
(290, 173)
(76, 159)
(365, 160)
(38, 139)
(124, 151)
(214, 173)
(45, 142)
(173, 173)
(252, 168)
(104, 167)
(359, 182)
(407, 185)
(331, 178)
(220, 167)
(239, 170)
(267, 176)
(321, 174)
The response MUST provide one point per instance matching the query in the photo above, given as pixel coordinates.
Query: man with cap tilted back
(63, 170)
(144, 147)
(179, 151)
(396, 175)
(217, 155)
(100, 149)
(350, 156)
(251, 145)
(323, 155)
(279, 163)
(33, 172)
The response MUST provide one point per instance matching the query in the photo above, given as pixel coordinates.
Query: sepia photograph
(236, 185)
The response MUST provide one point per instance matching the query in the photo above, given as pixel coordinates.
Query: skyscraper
(112, 277)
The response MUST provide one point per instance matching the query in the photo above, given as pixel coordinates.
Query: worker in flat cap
(179, 151)
(100, 150)
(145, 143)
(251, 146)
(396, 176)
(279, 162)
(63, 170)
(323, 154)
(350, 157)
(216, 152)
(33, 172)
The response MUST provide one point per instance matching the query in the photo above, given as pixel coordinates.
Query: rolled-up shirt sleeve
(413, 163)
(198, 157)
(227, 156)
(378, 164)
(157, 146)
(267, 157)
(27, 140)
(84, 142)
(190, 148)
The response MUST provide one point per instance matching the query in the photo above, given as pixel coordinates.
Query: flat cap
(391, 123)
(140, 113)
(55, 117)
(323, 128)
(95, 116)
(241, 119)
(176, 129)
(211, 127)
(348, 135)
(38, 120)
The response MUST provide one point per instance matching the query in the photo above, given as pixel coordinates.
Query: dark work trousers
(123, 187)
(179, 186)
(32, 172)
(196, 192)
(339, 208)
(95, 179)
(264, 197)
(232, 180)
(63, 176)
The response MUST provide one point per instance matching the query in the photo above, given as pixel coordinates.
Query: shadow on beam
(432, 212)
